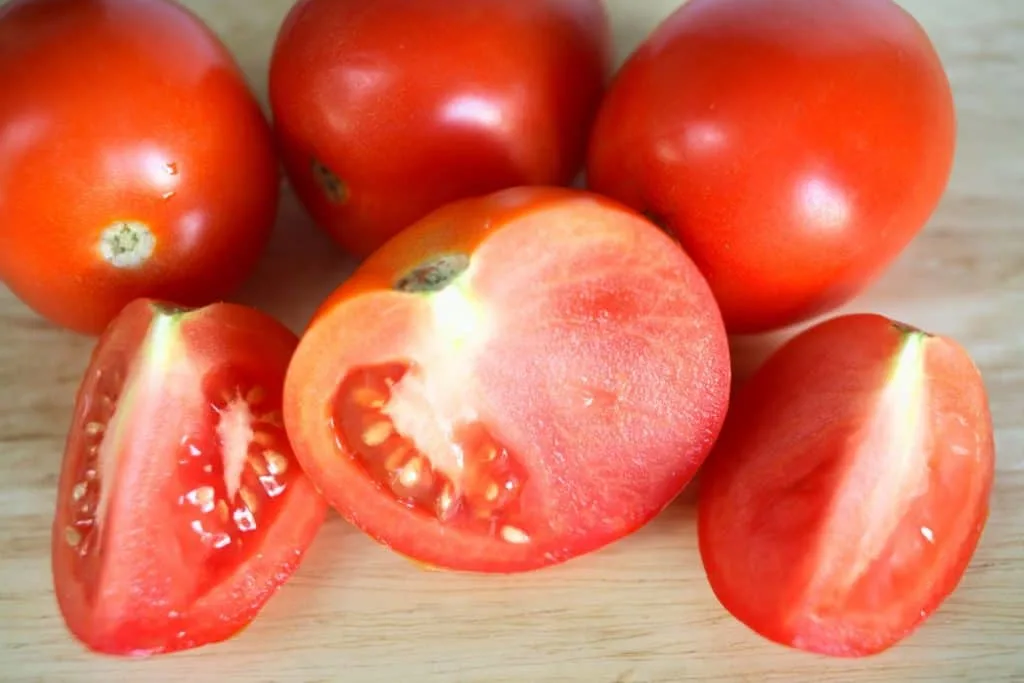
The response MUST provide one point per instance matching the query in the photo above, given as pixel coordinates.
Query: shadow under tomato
(300, 267)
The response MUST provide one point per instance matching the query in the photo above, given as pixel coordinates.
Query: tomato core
(434, 275)
(455, 472)
(127, 244)
(335, 190)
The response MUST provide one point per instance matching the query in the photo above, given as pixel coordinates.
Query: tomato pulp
(181, 508)
(387, 109)
(514, 381)
(134, 160)
(850, 486)
(795, 147)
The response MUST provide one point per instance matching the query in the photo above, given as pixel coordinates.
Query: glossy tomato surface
(181, 508)
(795, 147)
(514, 381)
(134, 161)
(850, 486)
(387, 109)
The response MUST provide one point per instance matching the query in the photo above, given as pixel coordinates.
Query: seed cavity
(434, 275)
(477, 488)
(127, 244)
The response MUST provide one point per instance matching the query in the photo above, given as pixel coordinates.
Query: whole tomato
(134, 159)
(794, 147)
(388, 109)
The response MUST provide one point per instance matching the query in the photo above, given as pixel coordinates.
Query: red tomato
(514, 381)
(181, 508)
(795, 147)
(134, 161)
(850, 486)
(387, 109)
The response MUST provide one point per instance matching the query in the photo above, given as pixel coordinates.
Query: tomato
(850, 486)
(134, 160)
(514, 381)
(388, 109)
(181, 508)
(794, 147)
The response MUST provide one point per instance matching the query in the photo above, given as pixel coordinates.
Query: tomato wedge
(181, 508)
(514, 381)
(850, 486)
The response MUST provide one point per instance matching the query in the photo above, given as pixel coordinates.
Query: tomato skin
(850, 486)
(126, 111)
(145, 592)
(594, 351)
(413, 104)
(795, 147)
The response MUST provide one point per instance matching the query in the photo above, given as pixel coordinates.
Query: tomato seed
(513, 535)
(79, 491)
(263, 438)
(72, 536)
(409, 475)
(202, 497)
(258, 465)
(377, 433)
(272, 486)
(223, 513)
(491, 494)
(244, 520)
(255, 396)
(249, 499)
(368, 397)
(277, 463)
(94, 428)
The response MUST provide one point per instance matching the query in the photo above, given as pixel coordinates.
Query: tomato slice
(850, 486)
(514, 381)
(181, 508)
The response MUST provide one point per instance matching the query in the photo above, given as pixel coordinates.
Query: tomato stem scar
(127, 244)
(335, 190)
(434, 275)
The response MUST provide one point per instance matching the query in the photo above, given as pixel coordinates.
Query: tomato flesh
(850, 486)
(514, 381)
(182, 508)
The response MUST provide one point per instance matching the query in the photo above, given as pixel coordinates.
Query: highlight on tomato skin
(135, 161)
(512, 382)
(385, 110)
(850, 486)
(181, 509)
(791, 194)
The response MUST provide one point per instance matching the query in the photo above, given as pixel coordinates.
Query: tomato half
(850, 486)
(388, 109)
(514, 381)
(795, 147)
(134, 160)
(181, 508)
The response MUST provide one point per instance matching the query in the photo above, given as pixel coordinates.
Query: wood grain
(640, 611)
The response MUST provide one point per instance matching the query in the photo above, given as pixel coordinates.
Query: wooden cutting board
(640, 611)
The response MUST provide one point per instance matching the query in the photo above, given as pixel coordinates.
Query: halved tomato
(181, 508)
(516, 380)
(850, 486)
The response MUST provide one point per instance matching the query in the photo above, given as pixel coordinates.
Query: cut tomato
(181, 508)
(514, 381)
(849, 488)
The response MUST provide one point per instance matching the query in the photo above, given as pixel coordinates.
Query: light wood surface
(640, 611)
